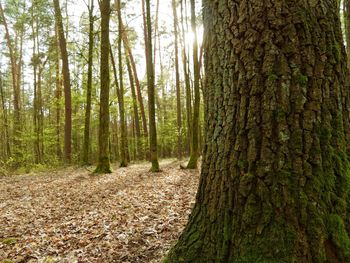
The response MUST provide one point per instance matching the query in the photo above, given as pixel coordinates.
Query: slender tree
(15, 61)
(192, 164)
(276, 173)
(177, 83)
(124, 138)
(66, 83)
(86, 146)
(103, 136)
(151, 92)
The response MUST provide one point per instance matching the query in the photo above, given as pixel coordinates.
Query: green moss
(303, 80)
(6, 261)
(9, 241)
(338, 234)
(242, 164)
(272, 77)
(336, 49)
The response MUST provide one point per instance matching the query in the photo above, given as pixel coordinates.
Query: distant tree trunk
(86, 146)
(15, 66)
(58, 98)
(35, 58)
(66, 84)
(124, 138)
(151, 93)
(178, 88)
(136, 122)
(103, 137)
(192, 164)
(137, 82)
(275, 175)
(6, 128)
(187, 83)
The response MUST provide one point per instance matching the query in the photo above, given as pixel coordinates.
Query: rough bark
(103, 135)
(66, 84)
(275, 176)
(151, 93)
(86, 145)
(192, 163)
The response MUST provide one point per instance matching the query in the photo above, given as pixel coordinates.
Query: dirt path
(71, 216)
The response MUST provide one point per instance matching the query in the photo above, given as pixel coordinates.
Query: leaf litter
(72, 216)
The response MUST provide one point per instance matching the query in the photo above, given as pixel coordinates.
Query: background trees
(50, 72)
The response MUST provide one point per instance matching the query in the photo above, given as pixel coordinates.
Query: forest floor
(71, 215)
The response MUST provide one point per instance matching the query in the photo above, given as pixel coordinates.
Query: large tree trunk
(275, 176)
(66, 84)
(86, 145)
(151, 95)
(192, 163)
(103, 136)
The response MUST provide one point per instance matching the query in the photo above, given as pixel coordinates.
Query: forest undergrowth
(71, 215)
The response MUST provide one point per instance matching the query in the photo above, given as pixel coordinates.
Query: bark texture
(151, 93)
(275, 175)
(103, 136)
(66, 84)
(86, 146)
(192, 163)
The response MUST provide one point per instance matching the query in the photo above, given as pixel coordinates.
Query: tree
(16, 64)
(103, 135)
(66, 83)
(151, 92)
(124, 139)
(275, 176)
(86, 145)
(177, 83)
(192, 163)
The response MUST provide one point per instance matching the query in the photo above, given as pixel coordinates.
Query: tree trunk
(6, 128)
(187, 82)
(66, 84)
(103, 136)
(178, 88)
(86, 145)
(15, 65)
(192, 164)
(137, 82)
(275, 175)
(151, 95)
(58, 99)
(136, 122)
(124, 138)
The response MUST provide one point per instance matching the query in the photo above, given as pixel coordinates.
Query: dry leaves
(71, 216)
